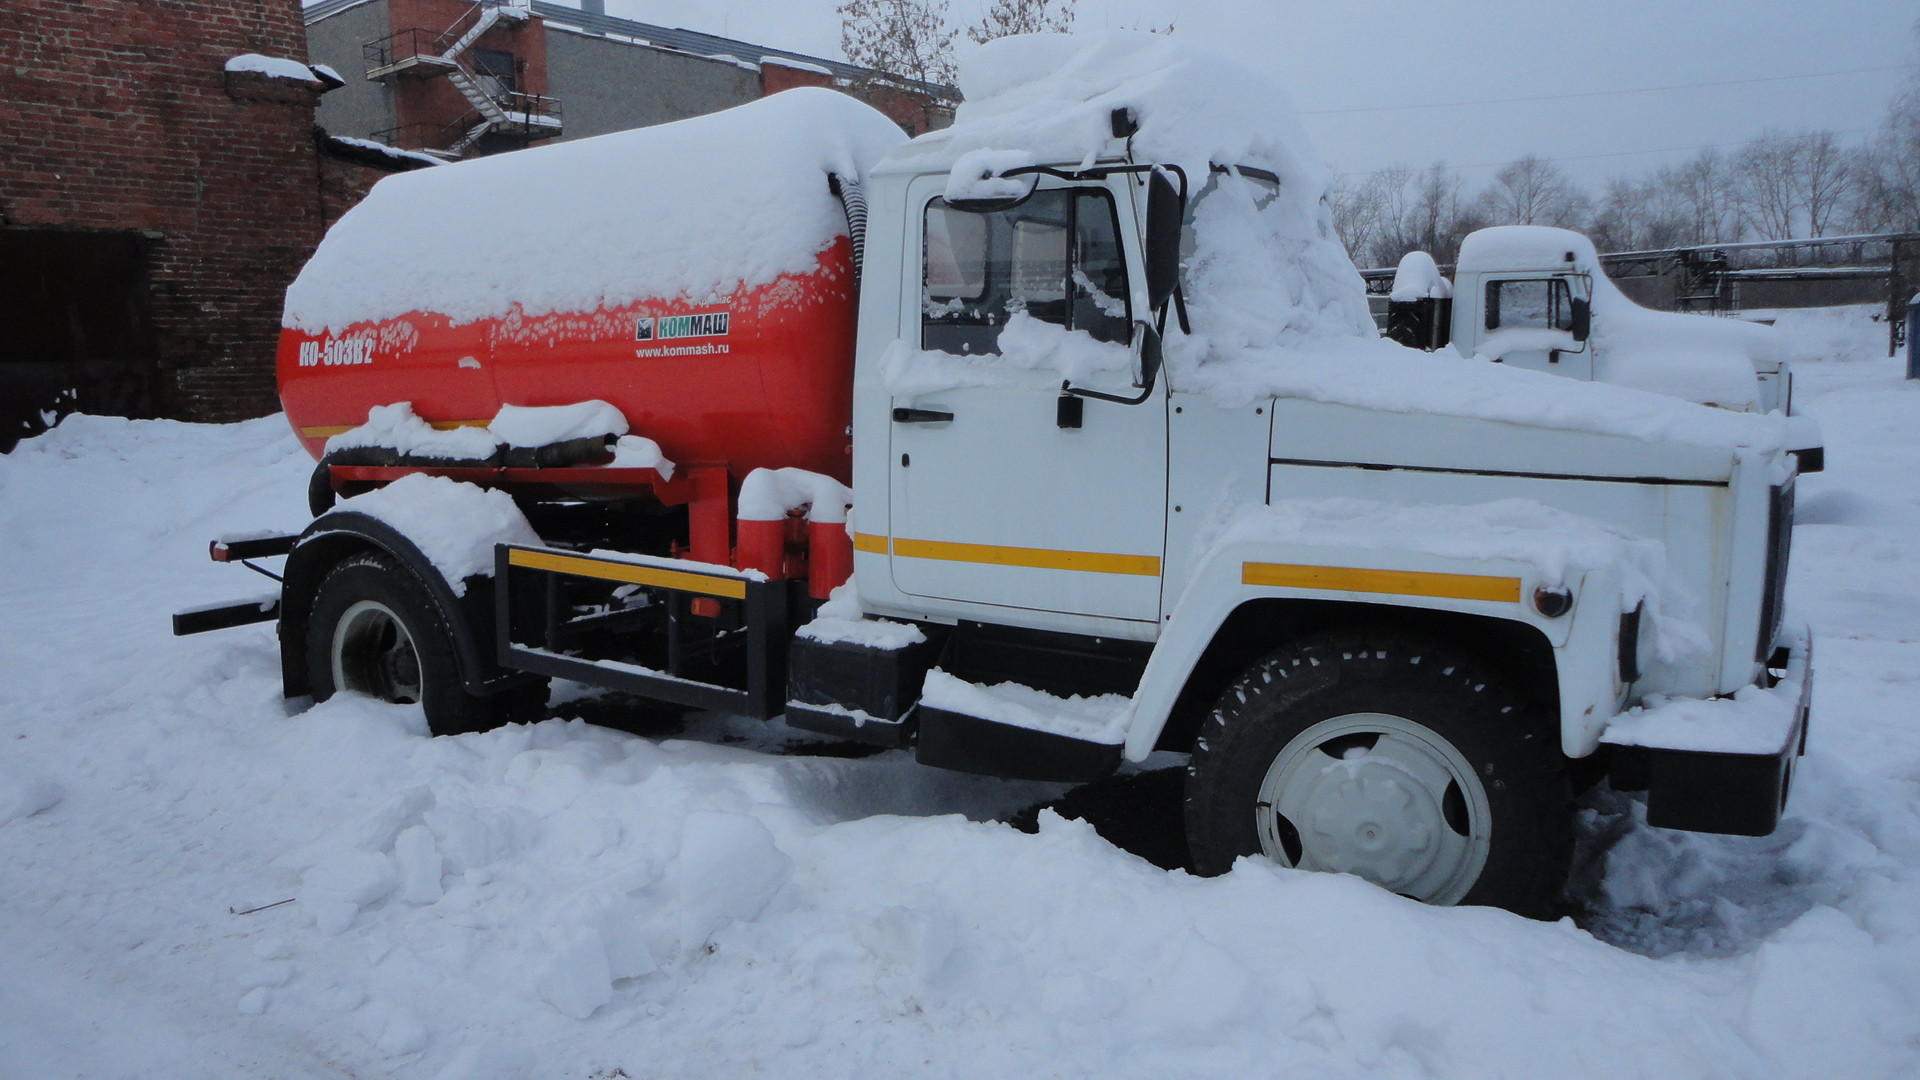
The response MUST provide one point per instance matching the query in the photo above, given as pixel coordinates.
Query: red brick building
(154, 205)
(460, 78)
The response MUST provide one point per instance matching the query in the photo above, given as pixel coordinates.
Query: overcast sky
(1368, 54)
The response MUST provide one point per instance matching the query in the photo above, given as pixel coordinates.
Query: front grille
(1773, 604)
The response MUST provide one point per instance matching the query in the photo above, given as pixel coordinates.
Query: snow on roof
(274, 66)
(393, 152)
(1266, 270)
(694, 209)
(1053, 95)
(1524, 247)
(1419, 278)
(797, 65)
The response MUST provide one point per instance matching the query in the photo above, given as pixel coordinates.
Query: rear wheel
(377, 631)
(1404, 763)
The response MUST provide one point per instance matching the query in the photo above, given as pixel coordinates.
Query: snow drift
(716, 907)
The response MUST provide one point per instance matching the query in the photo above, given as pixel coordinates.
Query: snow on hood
(1388, 377)
(694, 209)
(1695, 357)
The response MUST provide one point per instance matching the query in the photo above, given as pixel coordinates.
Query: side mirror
(1149, 352)
(1582, 312)
(1166, 209)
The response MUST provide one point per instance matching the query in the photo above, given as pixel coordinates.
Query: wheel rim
(1379, 796)
(374, 655)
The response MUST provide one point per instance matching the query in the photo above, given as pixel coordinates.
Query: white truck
(1537, 297)
(1106, 499)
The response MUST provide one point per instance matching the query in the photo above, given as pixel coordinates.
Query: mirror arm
(1150, 370)
(1146, 392)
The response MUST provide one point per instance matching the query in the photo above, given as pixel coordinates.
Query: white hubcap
(373, 654)
(1381, 797)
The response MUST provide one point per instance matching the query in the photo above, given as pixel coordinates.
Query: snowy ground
(570, 901)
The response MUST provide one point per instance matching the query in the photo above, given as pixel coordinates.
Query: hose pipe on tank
(854, 201)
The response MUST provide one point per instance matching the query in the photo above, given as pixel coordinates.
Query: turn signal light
(1552, 602)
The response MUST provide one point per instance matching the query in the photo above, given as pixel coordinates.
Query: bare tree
(1624, 219)
(1826, 174)
(1768, 185)
(1009, 17)
(908, 39)
(1533, 191)
(1357, 212)
(1886, 192)
(1704, 200)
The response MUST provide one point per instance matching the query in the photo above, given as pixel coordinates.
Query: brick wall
(118, 114)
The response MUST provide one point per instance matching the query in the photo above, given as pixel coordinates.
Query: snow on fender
(455, 525)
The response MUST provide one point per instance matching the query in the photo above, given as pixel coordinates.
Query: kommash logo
(672, 327)
(332, 352)
(711, 324)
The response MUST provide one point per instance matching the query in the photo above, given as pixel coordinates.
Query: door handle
(921, 416)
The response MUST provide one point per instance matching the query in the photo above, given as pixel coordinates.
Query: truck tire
(376, 630)
(1388, 757)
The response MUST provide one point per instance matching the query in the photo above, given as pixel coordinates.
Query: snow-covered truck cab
(1537, 297)
(1131, 472)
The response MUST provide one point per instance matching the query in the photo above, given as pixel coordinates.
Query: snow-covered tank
(699, 276)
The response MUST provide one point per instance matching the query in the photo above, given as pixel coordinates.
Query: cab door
(1529, 322)
(1001, 493)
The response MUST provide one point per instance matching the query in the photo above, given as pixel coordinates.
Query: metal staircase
(494, 106)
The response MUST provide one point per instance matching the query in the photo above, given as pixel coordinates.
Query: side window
(1540, 304)
(1056, 257)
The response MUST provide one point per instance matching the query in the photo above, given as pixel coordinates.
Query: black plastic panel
(950, 740)
(882, 683)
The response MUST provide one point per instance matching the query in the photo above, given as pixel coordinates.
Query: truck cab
(1536, 297)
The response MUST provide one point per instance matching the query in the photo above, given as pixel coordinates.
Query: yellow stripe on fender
(876, 545)
(1038, 558)
(709, 584)
(1396, 582)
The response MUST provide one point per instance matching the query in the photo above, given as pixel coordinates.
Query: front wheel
(1389, 758)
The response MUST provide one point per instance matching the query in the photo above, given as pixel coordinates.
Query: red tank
(762, 379)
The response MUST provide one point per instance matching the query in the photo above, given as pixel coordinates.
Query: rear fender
(1582, 643)
(336, 536)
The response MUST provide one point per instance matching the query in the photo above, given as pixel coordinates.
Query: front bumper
(1723, 765)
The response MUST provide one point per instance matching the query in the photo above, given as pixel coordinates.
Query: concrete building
(155, 202)
(457, 78)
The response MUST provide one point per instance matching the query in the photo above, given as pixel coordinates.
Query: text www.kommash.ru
(682, 350)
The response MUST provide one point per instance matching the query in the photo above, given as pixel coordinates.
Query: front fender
(1583, 641)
